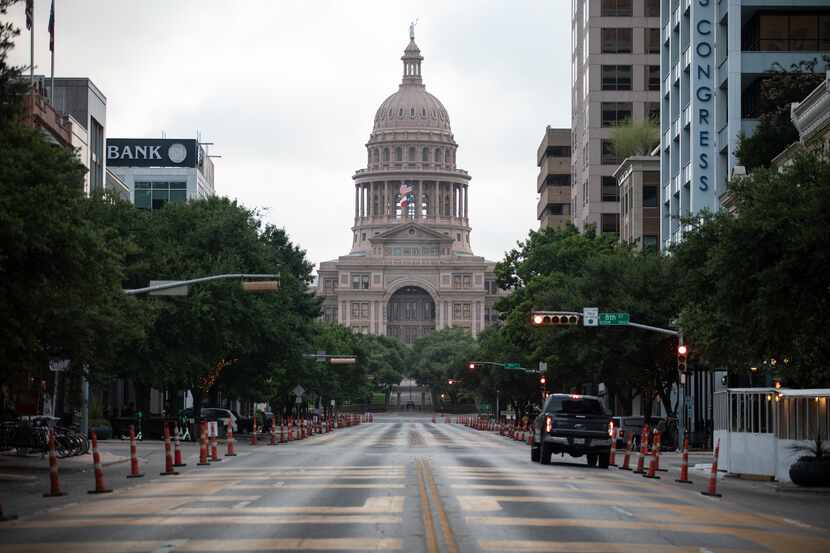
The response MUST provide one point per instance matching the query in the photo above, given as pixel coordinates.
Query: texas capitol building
(411, 269)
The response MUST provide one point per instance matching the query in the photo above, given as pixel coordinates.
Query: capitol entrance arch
(410, 314)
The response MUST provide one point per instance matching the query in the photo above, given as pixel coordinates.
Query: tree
(775, 130)
(441, 356)
(755, 284)
(635, 138)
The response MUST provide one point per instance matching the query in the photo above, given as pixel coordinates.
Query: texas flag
(406, 195)
(52, 27)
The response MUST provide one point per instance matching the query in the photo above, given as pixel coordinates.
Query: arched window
(412, 112)
(438, 155)
(376, 156)
(400, 112)
(411, 156)
(425, 155)
(398, 154)
(386, 154)
(424, 205)
(423, 112)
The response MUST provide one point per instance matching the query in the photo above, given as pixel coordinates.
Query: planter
(807, 471)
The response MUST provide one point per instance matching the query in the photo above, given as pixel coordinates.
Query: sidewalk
(10, 461)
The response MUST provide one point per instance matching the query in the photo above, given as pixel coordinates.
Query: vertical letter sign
(703, 108)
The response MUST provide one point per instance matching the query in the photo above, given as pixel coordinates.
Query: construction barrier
(643, 450)
(612, 457)
(214, 448)
(135, 472)
(253, 431)
(273, 431)
(230, 441)
(54, 481)
(282, 430)
(203, 448)
(684, 464)
(100, 487)
(168, 454)
(177, 449)
(654, 463)
(712, 490)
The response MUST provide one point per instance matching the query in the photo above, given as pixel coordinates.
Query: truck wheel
(603, 460)
(592, 459)
(545, 454)
(534, 452)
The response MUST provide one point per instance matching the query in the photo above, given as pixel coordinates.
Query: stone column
(454, 204)
(466, 201)
(356, 201)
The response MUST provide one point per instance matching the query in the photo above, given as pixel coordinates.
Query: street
(402, 483)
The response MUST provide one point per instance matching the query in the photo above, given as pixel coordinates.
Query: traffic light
(472, 366)
(682, 353)
(261, 286)
(542, 381)
(555, 318)
(450, 381)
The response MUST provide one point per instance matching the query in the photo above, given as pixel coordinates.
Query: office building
(811, 118)
(639, 180)
(83, 101)
(714, 58)
(411, 269)
(160, 170)
(615, 77)
(554, 181)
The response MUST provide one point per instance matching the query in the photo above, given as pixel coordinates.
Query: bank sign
(151, 152)
(703, 112)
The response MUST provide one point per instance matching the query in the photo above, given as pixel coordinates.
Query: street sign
(590, 316)
(512, 365)
(58, 365)
(613, 319)
(543, 366)
(178, 291)
(298, 391)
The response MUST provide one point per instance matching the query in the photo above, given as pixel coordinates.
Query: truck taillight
(548, 424)
(611, 429)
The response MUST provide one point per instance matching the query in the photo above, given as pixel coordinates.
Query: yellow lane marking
(594, 547)
(600, 523)
(493, 502)
(426, 512)
(179, 520)
(319, 486)
(388, 504)
(449, 538)
(547, 489)
(142, 505)
(313, 467)
(301, 477)
(287, 544)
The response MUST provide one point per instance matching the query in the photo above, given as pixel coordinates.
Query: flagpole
(52, 41)
(32, 50)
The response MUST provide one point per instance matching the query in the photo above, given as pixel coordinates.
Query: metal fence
(789, 414)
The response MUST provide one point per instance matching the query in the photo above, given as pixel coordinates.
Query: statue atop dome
(412, 29)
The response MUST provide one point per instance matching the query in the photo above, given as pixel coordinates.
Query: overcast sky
(288, 91)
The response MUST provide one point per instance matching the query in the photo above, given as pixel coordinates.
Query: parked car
(574, 424)
(222, 416)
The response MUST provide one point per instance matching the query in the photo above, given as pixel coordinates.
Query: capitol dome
(412, 106)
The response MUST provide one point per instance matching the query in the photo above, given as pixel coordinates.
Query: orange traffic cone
(654, 463)
(177, 450)
(253, 431)
(230, 441)
(290, 429)
(627, 455)
(684, 464)
(214, 449)
(612, 457)
(712, 491)
(643, 450)
(203, 447)
(273, 431)
(168, 454)
(135, 472)
(54, 481)
(100, 487)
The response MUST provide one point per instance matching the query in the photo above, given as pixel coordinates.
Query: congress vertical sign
(703, 105)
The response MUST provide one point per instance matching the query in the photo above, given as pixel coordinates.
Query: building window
(610, 190)
(650, 196)
(615, 113)
(781, 32)
(557, 209)
(616, 41)
(386, 154)
(153, 195)
(610, 223)
(467, 282)
(616, 77)
(425, 155)
(616, 8)
(653, 77)
(652, 8)
(558, 151)
(329, 283)
(462, 281)
(650, 243)
(398, 154)
(653, 111)
(490, 286)
(461, 312)
(558, 180)
(360, 281)
(330, 313)
(411, 154)
(360, 311)
(652, 45)
(438, 157)
(609, 154)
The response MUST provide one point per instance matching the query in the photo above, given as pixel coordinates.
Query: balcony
(554, 195)
(667, 139)
(667, 84)
(687, 58)
(666, 32)
(686, 173)
(552, 166)
(675, 129)
(723, 140)
(687, 116)
(687, 4)
(675, 184)
(675, 74)
(405, 167)
(40, 114)
(675, 20)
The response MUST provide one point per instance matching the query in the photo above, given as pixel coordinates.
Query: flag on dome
(406, 193)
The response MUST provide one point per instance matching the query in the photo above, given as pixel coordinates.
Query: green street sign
(512, 366)
(613, 319)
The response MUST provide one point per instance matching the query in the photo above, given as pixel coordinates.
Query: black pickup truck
(574, 424)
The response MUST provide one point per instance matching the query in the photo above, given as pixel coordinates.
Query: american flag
(406, 195)
(30, 11)
(52, 28)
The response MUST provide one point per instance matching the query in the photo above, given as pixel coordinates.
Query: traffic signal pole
(181, 283)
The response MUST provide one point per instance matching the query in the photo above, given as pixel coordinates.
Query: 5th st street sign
(613, 319)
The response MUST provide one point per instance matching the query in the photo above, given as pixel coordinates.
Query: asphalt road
(400, 484)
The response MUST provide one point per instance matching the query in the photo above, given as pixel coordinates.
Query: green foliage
(775, 130)
(443, 355)
(12, 87)
(755, 285)
(635, 138)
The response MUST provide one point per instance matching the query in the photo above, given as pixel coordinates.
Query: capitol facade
(411, 269)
